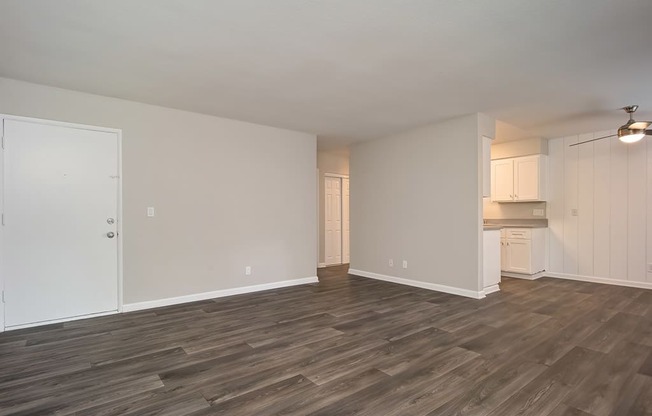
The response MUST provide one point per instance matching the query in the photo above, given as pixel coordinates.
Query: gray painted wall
(416, 196)
(227, 193)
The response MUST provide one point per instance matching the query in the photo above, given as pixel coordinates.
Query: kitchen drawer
(519, 233)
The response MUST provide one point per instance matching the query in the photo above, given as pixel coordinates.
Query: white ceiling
(346, 70)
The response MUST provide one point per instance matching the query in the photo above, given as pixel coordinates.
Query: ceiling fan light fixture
(630, 132)
(627, 135)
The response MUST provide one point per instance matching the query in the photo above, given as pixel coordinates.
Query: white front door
(346, 222)
(333, 225)
(60, 206)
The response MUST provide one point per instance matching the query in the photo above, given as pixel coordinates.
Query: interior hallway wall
(416, 196)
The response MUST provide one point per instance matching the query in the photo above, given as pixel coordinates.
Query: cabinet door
(519, 256)
(526, 179)
(502, 180)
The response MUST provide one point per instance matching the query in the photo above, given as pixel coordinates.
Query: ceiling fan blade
(592, 140)
(640, 125)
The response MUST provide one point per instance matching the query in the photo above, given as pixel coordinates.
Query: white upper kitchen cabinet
(519, 179)
(502, 180)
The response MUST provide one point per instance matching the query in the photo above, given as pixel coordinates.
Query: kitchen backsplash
(519, 210)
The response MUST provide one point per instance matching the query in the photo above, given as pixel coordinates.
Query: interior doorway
(337, 224)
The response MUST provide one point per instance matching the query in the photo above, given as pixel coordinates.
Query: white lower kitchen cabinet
(523, 250)
(491, 261)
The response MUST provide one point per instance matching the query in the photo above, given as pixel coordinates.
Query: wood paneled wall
(609, 184)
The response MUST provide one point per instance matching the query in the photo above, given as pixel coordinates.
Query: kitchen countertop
(522, 226)
(492, 227)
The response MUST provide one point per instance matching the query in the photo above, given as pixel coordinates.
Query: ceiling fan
(630, 132)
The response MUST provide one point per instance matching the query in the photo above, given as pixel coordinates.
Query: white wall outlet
(391, 262)
(574, 212)
(151, 211)
(537, 212)
(248, 270)
(405, 264)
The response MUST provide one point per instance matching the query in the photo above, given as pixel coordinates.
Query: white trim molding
(491, 289)
(523, 276)
(321, 265)
(62, 320)
(602, 280)
(149, 304)
(423, 285)
(337, 175)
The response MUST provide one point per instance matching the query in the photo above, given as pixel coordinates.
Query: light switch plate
(405, 264)
(248, 270)
(150, 211)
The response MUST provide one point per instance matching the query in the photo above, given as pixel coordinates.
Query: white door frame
(340, 176)
(120, 283)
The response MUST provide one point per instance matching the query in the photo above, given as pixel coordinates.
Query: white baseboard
(491, 289)
(423, 285)
(602, 280)
(58, 321)
(130, 307)
(321, 265)
(523, 276)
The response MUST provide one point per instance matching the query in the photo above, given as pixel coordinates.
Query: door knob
(110, 234)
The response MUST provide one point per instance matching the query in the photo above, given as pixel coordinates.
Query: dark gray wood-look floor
(347, 345)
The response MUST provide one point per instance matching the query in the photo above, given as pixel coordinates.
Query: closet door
(333, 218)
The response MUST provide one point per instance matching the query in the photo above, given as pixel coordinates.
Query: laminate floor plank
(346, 345)
(599, 394)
